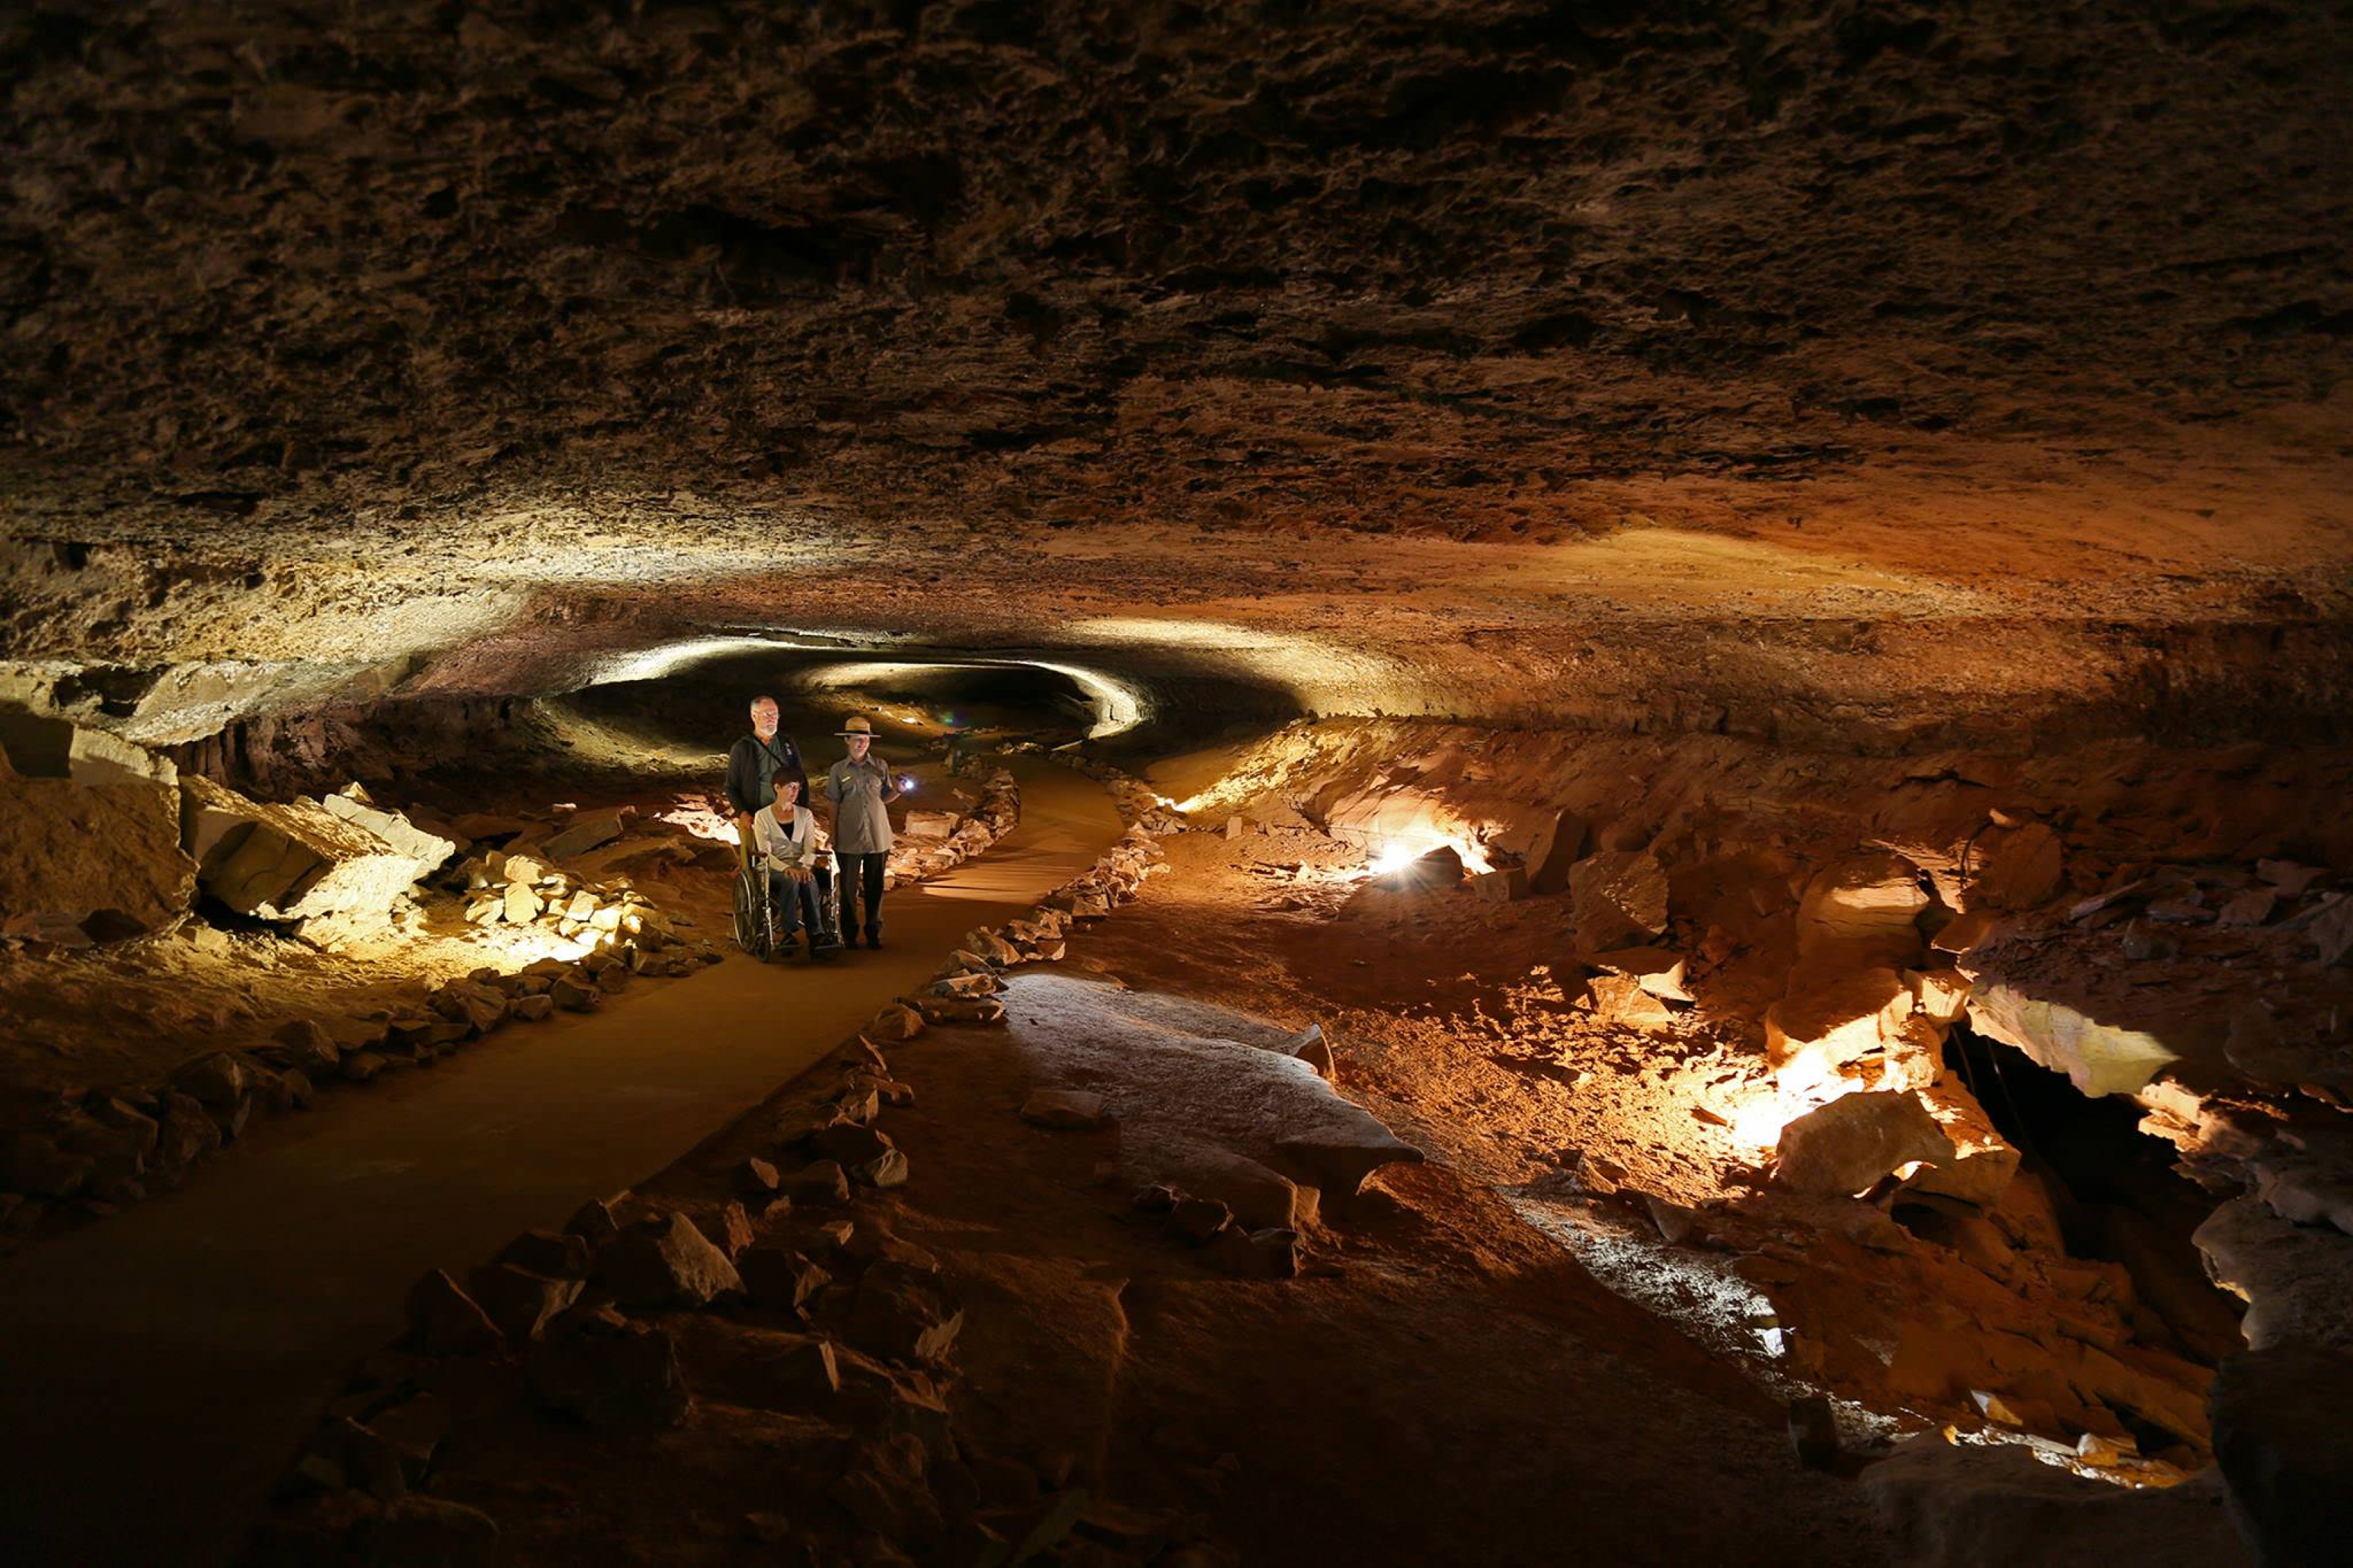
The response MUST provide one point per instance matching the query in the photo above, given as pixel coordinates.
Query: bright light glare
(1397, 853)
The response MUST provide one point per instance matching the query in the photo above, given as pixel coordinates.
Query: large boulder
(1617, 899)
(301, 860)
(1207, 1099)
(1838, 1018)
(89, 835)
(597, 1366)
(2017, 867)
(1954, 1506)
(665, 1262)
(2281, 1444)
(1861, 911)
(904, 1312)
(2097, 1058)
(2296, 1278)
(1848, 1144)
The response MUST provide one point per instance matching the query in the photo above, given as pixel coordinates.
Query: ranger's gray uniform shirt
(861, 824)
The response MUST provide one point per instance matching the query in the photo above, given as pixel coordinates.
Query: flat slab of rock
(298, 862)
(1948, 1505)
(1848, 1144)
(1195, 1103)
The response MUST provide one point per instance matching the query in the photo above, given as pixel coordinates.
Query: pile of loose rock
(779, 1292)
(504, 889)
(937, 841)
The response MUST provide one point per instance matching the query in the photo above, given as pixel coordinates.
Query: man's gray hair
(760, 703)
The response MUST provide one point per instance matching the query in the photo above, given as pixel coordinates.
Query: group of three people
(783, 845)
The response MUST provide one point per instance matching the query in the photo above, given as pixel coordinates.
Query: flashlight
(906, 784)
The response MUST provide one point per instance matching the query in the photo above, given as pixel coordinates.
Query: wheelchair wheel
(751, 921)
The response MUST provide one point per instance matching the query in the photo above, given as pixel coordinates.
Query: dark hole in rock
(2118, 1197)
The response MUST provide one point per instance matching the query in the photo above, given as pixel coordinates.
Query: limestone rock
(850, 1143)
(1199, 1220)
(587, 831)
(1624, 999)
(954, 1010)
(593, 1222)
(1861, 911)
(820, 1183)
(2295, 1280)
(518, 1301)
(444, 1321)
(665, 1262)
(779, 1278)
(1313, 1048)
(2097, 1058)
(1941, 995)
(600, 1367)
(1983, 1160)
(558, 1254)
(1656, 969)
(1617, 899)
(93, 848)
(296, 862)
(2017, 867)
(1948, 1506)
(414, 1428)
(416, 1528)
(314, 1048)
(1848, 1144)
(33, 1163)
(2281, 1444)
(2307, 1177)
(1505, 886)
(1813, 1431)
(1064, 1111)
(1838, 1019)
(904, 1313)
(1551, 850)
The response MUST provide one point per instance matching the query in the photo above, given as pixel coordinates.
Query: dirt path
(157, 1370)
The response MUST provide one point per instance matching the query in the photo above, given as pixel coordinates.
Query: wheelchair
(759, 923)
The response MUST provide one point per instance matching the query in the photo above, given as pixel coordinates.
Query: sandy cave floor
(1360, 1409)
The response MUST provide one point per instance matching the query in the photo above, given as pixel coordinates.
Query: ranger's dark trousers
(862, 874)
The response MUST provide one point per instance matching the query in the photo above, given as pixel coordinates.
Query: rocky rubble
(936, 842)
(783, 1294)
(1814, 930)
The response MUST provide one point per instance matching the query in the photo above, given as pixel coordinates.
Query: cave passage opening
(2116, 1192)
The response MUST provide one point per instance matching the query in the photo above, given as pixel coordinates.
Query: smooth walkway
(159, 1369)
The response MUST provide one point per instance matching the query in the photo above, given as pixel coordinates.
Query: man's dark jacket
(744, 792)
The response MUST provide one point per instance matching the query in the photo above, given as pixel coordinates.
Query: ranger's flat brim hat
(857, 726)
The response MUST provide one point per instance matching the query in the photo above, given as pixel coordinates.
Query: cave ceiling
(1798, 369)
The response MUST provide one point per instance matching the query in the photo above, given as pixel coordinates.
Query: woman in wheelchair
(792, 874)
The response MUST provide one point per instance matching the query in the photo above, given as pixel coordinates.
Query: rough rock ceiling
(1870, 361)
